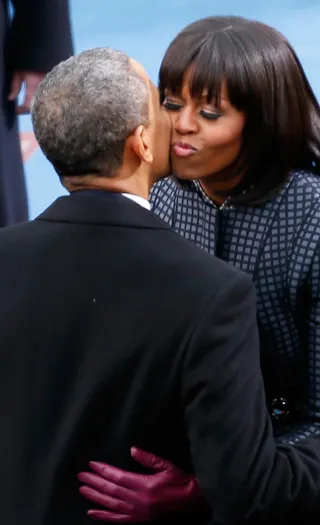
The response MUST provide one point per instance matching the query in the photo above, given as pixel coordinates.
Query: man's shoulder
(20, 239)
(17, 231)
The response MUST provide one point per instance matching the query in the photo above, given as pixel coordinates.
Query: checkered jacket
(277, 244)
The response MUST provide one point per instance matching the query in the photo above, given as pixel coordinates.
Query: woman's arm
(310, 413)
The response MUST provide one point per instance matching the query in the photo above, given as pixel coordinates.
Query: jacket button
(279, 408)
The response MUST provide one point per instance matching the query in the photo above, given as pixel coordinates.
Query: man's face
(159, 130)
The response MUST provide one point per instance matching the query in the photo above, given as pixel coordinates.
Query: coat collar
(91, 208)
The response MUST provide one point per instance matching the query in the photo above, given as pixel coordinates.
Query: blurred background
(144, 28)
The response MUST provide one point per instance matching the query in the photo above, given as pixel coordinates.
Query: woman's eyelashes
(175, 106)
(171, 106)
(210, 115)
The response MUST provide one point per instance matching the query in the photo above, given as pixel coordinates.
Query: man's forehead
(138, 68)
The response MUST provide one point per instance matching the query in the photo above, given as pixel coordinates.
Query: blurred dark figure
(33, 41)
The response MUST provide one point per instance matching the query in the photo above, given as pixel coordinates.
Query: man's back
(100, 302)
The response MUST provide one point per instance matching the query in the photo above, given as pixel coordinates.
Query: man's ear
(140, 143)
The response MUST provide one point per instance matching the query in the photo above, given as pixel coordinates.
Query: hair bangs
(175, 64)
(206, 75)
(205, 65)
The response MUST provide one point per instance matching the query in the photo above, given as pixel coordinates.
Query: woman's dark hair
(266, 81)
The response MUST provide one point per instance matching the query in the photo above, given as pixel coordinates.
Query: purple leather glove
(130, 497)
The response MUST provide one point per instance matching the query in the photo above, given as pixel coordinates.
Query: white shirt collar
(139, 200)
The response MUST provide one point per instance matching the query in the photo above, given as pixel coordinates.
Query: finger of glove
(118, 506)
(102, 485)
(120, 478)
(149, 460)
(111, 517)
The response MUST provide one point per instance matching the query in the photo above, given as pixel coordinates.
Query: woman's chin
(185, 174)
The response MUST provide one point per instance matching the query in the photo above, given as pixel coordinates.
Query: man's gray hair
(85, 109)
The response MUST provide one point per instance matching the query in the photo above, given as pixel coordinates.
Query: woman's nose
(185, 121)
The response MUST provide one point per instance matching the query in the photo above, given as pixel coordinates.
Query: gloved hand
(130, 497)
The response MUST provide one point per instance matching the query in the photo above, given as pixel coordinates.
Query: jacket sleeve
(245, 475)
(40, 35)
(311, 310)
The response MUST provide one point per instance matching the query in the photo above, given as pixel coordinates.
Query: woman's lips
(182, 149)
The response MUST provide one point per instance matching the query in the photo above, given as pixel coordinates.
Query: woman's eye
(171, 106)
(210, 115)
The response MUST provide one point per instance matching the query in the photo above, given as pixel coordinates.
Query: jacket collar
(101, 208)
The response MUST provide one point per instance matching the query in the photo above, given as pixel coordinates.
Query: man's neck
(130, 186)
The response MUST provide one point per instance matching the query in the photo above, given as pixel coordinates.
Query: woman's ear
(140, 143)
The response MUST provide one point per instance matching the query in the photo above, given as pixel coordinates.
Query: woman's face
(206, 140)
